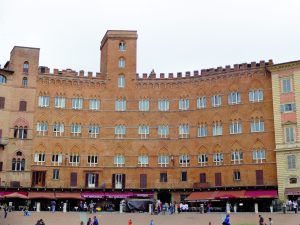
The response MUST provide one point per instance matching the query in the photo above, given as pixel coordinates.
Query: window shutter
(0, 133)
(36, 157)
(97, 180)
(1, 166)
(73, 179)
(86, 179)
(2, 102)
(294, 107)
(113, 182)
(33, 178)
(123, 180)
(218, 179)
(22, 106)
(43, 178)
(143, 180)
(281, 108)
(60, 158)
(259, 177)
(202, 178)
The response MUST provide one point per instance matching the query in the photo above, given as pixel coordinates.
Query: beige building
(286, 105)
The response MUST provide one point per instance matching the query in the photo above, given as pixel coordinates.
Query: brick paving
(73, 218)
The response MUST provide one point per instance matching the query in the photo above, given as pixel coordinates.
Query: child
(270, 221)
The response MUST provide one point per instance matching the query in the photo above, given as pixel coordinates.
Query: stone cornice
(284, 66)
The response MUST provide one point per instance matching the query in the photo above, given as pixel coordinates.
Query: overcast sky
(173, 36)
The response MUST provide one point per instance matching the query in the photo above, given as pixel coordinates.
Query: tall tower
(118, 53)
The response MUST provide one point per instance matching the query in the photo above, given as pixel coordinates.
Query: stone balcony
(3, 141)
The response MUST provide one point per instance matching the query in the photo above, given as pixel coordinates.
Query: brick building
(120, 132)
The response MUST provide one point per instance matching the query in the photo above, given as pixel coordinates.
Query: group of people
(292, 205)
(92, 222)
(261, 220)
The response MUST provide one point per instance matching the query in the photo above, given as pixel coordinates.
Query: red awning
(69, 195)
(44, 195)
(22, 195)
(292, 191)
(230, 194)
(1, 194)
(203, 195)
(118, 194)
(261, 194)
(93, 194)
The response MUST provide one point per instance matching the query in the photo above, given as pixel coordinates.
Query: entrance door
(164, 196)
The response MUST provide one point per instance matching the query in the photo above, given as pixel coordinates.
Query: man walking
(95, 221)
(261, 220)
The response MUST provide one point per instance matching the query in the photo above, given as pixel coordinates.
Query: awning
(261, 194)
(292, 191)
(22, 195)
(43, 195)
(230, 194)
(93, 194)
(1, 194)
(143, 194)
(203, 195)
(69, 195)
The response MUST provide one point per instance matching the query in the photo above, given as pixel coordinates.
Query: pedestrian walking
(151, 222)
(129, 222)
(5, 211)
(226, 220)
(89, 222)
(270, 221)
(295, 206)
(95, 221)
(261, 220)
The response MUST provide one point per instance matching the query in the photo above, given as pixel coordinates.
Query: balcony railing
(3, 141)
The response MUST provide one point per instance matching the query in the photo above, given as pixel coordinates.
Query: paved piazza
(72, 218)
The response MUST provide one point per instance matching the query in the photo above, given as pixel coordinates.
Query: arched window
(121, 63)
(24, 82)
(18, 162)
(122, 46)
(25, 67)
(2, 79)
(20, 132)
(293, 180)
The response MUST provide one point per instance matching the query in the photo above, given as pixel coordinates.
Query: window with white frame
(163, 160)
(202, 130)
(201, 102)
(121, 81)
(56, 159)
(74, 159)
(163, 131)
(236, 175)
(184, 131)
(55, 175)
(121, 63)
(120, 131)
(42, 128)
(217, 128)
(77, 103)
(58, 129)
(91, 180)
(94, 131)
(234, 98)
(24, 82)
(163, 105)
(236, 127)
(44, 101)
(144, 105)
(289, 134)
(236, 157)
(257, 125)
(143, 160)
(218, 158)
(119, 160)
(39, 157)
(120, 105)
(92, 160)
(291, 162)
(286, 85)
(18, 162)
(119, 180)
(288, 107)
(122, 46)
(144, 131)
(76, 129)
(216, 100)
(94, 104)
(184, 160)
(184, 104)
(203, 159)
(256, 95)
(60, 102)
(259, 155)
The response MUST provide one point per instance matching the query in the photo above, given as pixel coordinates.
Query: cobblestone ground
(74, 218)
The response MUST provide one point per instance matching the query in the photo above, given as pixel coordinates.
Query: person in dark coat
(261, 220)
(95, 221)
(89, 222)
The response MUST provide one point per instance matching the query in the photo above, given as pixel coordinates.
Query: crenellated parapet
(207, 72)
(43, 70)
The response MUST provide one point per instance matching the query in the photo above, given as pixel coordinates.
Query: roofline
(16, 46)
